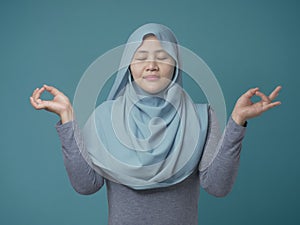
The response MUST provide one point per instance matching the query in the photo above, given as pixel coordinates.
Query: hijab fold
(144, 140)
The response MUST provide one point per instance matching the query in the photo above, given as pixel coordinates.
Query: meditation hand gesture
(246, 109)
(60, 103)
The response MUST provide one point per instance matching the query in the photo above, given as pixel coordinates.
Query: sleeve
(221, 156)
(82, 177)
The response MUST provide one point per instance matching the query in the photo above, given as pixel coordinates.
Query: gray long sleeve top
(175, 205)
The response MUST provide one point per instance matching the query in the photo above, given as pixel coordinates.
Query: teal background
(245, 43)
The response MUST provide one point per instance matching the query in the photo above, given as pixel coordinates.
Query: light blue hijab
(168, 42)
(144, 140)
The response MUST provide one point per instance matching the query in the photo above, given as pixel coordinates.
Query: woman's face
(152, 67)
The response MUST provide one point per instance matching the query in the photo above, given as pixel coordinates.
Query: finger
(275, 93)
(34, 92)
(37, 104)
(38, 93)
(32, 102)
(272, 105)
(263, 96)
(251, 92)
(51, 90)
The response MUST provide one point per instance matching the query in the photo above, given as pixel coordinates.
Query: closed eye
(140, 59)
(162, 58)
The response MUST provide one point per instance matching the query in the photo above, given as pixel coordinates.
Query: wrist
(67, 115)
(238, 119)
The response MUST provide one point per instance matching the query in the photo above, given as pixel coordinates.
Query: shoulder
(202, 106)
(203, 114)
(203, 110)
(205, 107)
(103, 111)
(104, 107)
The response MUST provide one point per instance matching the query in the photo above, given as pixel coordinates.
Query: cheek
(135, 71)
(169, 71)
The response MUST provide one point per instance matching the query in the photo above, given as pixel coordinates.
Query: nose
(152, 65)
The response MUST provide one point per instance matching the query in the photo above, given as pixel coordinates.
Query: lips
(151, 77)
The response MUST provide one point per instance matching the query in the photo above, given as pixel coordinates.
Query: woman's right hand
(60, 104)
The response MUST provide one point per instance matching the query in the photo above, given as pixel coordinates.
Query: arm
(220, 161)
(219, 164)
(83, 178)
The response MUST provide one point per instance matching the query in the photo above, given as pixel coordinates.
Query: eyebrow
(144, 51)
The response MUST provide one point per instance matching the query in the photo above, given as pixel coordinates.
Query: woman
(158, 147)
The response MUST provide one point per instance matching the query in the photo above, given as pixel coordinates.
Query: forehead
(150, 44)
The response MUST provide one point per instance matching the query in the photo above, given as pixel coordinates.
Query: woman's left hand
(246, 109)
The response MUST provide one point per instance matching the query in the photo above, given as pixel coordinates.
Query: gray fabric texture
(175, 205)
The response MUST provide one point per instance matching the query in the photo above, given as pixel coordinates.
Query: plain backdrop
(245, 43)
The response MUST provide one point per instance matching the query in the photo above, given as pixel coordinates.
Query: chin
(152, 90)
